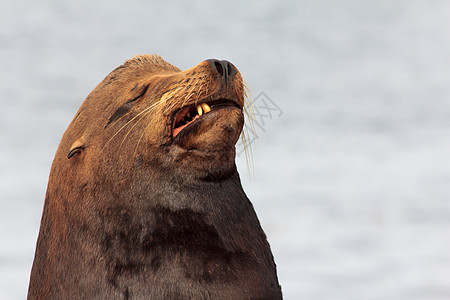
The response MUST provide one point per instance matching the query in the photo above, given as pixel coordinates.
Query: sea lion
(144, 200)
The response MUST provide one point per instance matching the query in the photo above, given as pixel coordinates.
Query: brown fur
(132, 213)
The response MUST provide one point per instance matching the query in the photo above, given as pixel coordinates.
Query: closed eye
(125, 108)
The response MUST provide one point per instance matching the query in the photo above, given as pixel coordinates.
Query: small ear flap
(76, 147)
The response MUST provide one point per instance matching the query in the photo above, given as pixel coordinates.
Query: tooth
(206, 107)
(199, 110)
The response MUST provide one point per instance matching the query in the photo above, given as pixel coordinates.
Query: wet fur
(134, 215)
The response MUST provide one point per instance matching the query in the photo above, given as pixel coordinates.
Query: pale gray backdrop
(351, 182)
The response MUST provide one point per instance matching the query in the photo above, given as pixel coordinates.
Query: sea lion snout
(220, 85)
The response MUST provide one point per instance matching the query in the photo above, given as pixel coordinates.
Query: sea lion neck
(199, 194)
(181, 167)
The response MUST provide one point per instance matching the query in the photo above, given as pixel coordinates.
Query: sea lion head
(149, 112)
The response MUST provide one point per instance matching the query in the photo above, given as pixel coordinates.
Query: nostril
(223, 68)
(219, 67)
(231, 70)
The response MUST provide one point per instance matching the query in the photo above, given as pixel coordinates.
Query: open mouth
(188, 114)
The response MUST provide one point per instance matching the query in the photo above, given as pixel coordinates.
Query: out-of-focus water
(351, 182)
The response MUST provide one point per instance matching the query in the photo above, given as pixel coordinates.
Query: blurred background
(351, 176)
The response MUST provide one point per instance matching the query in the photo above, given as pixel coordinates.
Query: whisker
(248, 131)
(140, 138)
(145, 110)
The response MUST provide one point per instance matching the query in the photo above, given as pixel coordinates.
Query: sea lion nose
(223, 67)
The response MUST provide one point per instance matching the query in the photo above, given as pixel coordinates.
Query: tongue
(177, 130)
